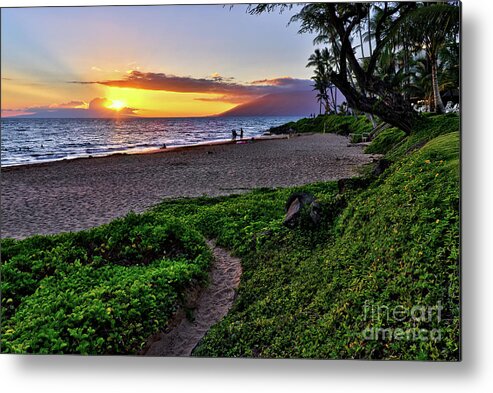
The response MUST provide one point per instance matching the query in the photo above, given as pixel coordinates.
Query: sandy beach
(78, 194)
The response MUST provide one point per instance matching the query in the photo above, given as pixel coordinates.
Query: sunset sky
(147, 61)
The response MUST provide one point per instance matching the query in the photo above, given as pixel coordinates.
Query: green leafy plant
(337, 124)
(385, 140)
(102, 291)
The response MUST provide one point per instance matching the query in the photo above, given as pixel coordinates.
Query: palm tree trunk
(406, 70)
(369, 31)
(437, 99)
(361, 43)
(335, 101)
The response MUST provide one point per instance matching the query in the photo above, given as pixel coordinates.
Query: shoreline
(72, 195)
(152, 150)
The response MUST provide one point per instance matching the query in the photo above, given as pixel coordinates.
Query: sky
(150, 61)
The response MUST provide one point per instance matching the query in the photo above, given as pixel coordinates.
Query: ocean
(28, 141)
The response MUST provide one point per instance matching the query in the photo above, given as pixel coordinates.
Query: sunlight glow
(155, 103)
(117, 105)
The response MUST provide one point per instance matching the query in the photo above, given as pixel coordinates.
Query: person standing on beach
(241, 133)
(234, 134)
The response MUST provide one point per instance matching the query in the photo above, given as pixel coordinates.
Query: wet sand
(78, 194)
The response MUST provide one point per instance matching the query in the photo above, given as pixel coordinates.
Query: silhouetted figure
(234, 134)
(241, 133)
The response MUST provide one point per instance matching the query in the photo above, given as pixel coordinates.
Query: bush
(345, 125)
(426, 128)
(338, 124)
(101, 291)
(385, 141)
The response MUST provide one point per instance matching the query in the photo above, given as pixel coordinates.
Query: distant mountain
(72, 113)
(62, 113)
(293, 103)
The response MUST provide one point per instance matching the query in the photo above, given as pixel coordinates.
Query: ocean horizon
(30, 140)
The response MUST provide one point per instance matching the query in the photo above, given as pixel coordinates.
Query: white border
(128, 374)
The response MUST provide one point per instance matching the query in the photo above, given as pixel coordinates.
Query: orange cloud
(216, 84)
(179, 84)
(71, 104)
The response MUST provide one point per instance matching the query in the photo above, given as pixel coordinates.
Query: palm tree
(322, 61)
(316, 60)
(449, 67)
(420, 85)
(429, 28)
(426, 27)
(320, 86)
(369, 31)
(361, 41)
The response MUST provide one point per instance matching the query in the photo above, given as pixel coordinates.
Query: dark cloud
(99, 104)
(219, 78)
(181, 84)
(216, 84)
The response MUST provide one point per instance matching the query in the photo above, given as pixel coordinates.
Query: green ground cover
(338, 124)
(305, 292)
(101, 291)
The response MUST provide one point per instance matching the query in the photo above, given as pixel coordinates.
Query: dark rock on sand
(295, 206)
(293, 213)
(316, 213)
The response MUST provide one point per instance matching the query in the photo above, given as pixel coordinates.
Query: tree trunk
(361, 43)
(335, 101)
(332, 98)
(389, 106)
(369, 32)
(401, 118)
(406, 70)
(437, 99)
(372, 119)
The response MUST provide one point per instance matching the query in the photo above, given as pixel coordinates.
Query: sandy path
(212, 305)
(80, 194)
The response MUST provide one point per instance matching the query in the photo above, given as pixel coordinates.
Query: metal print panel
(261, 181)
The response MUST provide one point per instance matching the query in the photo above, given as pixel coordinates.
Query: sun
(116, 105)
